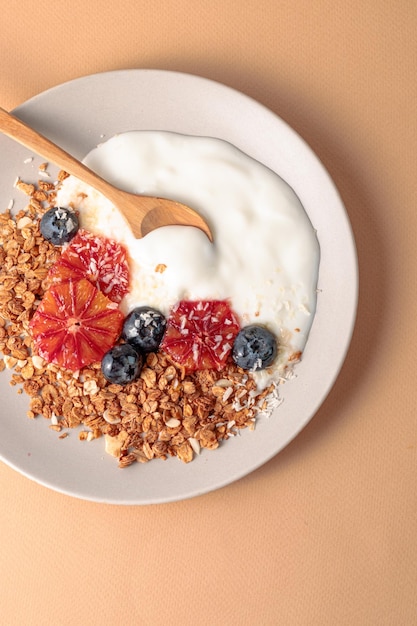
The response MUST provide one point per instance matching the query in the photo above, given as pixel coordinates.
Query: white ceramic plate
(82, 113)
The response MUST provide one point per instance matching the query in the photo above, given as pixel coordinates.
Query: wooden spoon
(144, 213)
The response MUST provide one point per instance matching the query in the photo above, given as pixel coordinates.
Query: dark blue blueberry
(255, 348)
(144, 328)
(122, 364)
(59, 225)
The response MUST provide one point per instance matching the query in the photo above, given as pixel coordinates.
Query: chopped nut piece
(90, 387)
(10, 362)
(194, 444)
(172, 423)
(23, 222)
(114, 444)
(38, 362)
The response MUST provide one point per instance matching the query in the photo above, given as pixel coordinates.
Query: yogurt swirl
(265, 255)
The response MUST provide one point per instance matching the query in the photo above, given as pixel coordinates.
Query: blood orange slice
(75, 325)
(102, 261)
(200, 335)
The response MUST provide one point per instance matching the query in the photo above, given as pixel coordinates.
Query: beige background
(326, 532)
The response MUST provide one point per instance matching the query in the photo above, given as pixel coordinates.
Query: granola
(166, 412)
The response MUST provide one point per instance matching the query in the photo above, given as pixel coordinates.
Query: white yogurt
(265, 255)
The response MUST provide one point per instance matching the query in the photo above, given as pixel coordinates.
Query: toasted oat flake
(185, 452)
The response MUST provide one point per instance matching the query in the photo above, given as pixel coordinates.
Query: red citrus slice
(102, 261)
(75, 325)
(200, 335)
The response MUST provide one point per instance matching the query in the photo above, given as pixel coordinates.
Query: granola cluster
(164, 413)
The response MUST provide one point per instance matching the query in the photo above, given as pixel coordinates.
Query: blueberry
(59, 225)
(122, 364)
(255, 348)
(144, 328)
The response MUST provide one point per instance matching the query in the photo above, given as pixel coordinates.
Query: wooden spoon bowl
(143, 213)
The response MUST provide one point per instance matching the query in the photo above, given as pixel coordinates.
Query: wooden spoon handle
(144, 213)
(31, 139)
